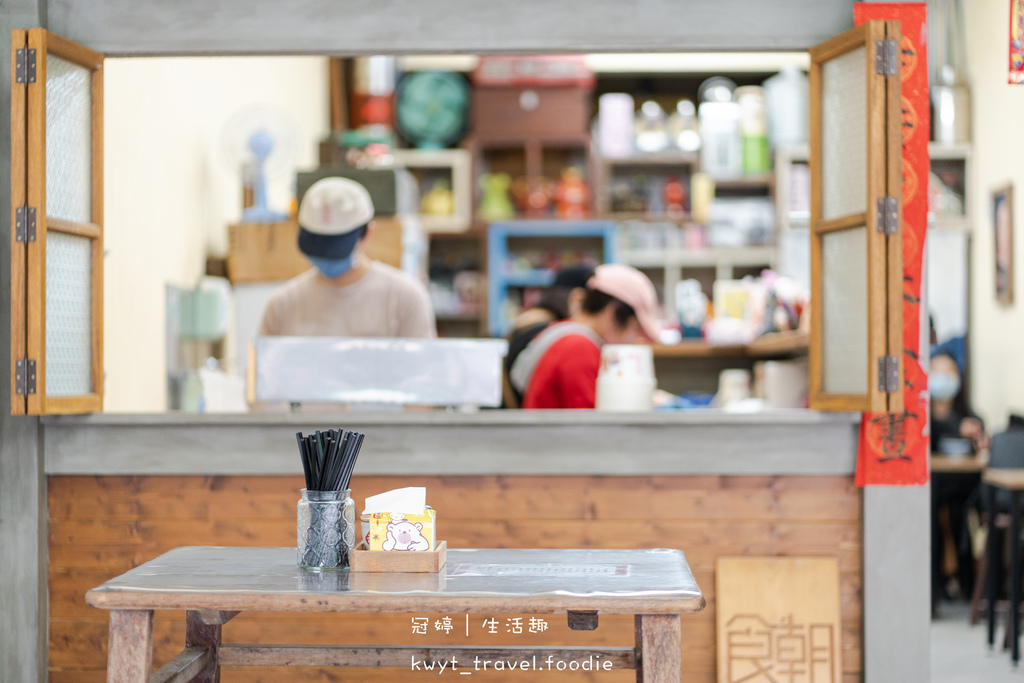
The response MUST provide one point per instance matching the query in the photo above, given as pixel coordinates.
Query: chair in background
(1006, 452)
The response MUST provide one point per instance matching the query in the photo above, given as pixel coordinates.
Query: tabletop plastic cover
(520, 573)
(435, 372)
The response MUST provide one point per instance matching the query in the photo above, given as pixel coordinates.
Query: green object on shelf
(495, 204)
(755, 154)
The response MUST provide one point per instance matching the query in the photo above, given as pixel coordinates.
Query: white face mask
(943, 385)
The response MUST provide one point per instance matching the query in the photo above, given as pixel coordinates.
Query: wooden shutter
(856, 252)
(57, 260)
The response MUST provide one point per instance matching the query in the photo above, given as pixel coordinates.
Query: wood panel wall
(100, 527)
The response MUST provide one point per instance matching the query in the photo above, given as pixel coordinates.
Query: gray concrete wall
(897, 584)
(23, 633)
(125, 27)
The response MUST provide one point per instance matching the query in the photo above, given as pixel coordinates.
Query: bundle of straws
(328, 458)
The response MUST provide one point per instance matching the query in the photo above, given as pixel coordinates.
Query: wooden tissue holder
(379, 561)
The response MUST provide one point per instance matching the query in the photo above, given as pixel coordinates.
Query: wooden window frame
(884, 251)
(19, 250)
(28, 318)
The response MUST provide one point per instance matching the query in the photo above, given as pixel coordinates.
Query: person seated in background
(951, 417)
(559, 301)
(954, 429)
(559, 368)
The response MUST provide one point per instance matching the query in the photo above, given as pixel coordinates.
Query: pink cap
(629, 285)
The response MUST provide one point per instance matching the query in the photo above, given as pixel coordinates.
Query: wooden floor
(102, 526)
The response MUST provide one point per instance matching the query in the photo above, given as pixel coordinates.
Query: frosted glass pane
(844, 311)
(68, 315)
(844, 135)
(68, 141)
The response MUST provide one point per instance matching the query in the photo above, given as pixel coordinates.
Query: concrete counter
(797, 442)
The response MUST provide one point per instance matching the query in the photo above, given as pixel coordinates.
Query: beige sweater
(385, 302)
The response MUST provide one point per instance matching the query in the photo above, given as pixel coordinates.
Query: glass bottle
(325, 530)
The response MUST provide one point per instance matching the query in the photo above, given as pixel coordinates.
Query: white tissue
(410, 501)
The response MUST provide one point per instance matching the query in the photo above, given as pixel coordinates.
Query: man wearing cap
(560, 366)
(345, 294)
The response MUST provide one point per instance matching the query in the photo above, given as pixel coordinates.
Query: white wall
(997, 332)
(169, 193)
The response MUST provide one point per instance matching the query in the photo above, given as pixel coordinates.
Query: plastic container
(786, 100)
(615, 125)
(753, 129)
(720, 134)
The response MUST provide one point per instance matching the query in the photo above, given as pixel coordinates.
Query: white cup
(733, 385)
(625, 394)
(627, 361)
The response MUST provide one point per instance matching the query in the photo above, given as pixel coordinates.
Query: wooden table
(214, 584)
(1011, 480)
(959, 464)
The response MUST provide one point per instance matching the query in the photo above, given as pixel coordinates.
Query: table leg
(659, 657)
(130, 646)
(199, 633)
(993, 563)
(1014, 620)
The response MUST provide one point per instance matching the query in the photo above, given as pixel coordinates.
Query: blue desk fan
(260, 141)
(431, 108)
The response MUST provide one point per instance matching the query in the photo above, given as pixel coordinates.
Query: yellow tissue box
(397, 531)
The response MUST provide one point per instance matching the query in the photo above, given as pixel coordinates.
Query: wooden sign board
(778, 620)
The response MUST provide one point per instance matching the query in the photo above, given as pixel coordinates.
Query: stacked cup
(625, 382)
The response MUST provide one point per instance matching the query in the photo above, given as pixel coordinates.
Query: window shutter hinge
(887, 57)
(25, 65)
(25, 377)
(25, 224)
(887, 215)
(888, 374)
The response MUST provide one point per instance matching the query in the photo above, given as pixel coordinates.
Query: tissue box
(403, 532)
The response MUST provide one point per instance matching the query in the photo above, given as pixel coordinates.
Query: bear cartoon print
(405, 535)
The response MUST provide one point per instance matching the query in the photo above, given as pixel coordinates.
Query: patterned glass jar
(326, 530)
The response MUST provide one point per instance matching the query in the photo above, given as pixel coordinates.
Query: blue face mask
(331, 268)
(943, 385)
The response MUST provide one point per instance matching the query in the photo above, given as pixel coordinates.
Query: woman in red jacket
(559, 368)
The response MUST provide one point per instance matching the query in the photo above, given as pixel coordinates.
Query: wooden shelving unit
(659, 164)
(773, 345)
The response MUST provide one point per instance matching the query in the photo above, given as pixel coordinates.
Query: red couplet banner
(894, 447)
(1016, 41)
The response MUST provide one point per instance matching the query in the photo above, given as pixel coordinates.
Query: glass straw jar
(325, 530)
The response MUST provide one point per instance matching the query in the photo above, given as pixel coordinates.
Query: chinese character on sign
(491, 625)
(443, 624)
(760, 652)
(538, 625)
(419, 625)
(514, 625)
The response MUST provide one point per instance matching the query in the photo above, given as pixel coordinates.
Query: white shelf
(699, 258)
(458, 162)
(669, 158)
(937, 150)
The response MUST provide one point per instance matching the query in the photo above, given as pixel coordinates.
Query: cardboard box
(269, 252)
(394, 531)
(265, 252)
